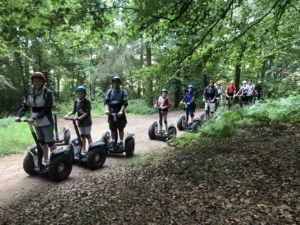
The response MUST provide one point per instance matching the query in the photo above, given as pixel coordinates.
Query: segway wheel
(172, 132)
(129, 147)
(179, 124)
(60, 167)
(151, 132)
(67, 137)
(104, 140)
(28, 165)
(96, 158)
(195, 126)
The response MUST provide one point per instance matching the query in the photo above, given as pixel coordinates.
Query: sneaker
(46, 162)
(111, 146)
(83, 152)
(121, 145)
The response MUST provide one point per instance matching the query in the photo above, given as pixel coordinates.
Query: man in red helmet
(40, 100)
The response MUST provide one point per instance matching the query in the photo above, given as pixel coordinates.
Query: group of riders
(247, 92)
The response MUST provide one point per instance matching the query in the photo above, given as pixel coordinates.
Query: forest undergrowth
(250, 177)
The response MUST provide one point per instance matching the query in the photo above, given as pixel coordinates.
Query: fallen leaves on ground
(252, 177)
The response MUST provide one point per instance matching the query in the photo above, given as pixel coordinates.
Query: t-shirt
(250, 89)
(116, 97)
(82, 106)
(230, 90)
(160, 101)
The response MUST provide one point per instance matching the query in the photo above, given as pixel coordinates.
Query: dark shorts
(230, 95)
(244, 98)
(120, 123)
(250, 98)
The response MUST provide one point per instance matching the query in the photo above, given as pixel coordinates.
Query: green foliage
(141, 160)
(139, 107)
(283, 110)
(66, 107)
(14, 137)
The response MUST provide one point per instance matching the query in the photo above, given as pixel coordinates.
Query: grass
(14, 137)
(148, 157)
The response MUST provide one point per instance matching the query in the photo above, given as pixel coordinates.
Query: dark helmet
(116, 78)
(211, 81)
(191, 86)
(164, 90)
(38, 75)
(81, 89)
(250, 80)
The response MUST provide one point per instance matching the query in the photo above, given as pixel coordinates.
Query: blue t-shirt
(116, 98)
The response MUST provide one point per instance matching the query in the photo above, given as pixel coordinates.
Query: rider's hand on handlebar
(120, 114)
(30, 120)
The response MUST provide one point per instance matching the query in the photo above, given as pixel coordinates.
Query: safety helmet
(250, 80)
(211, 81)
(191, 86)
(218, 82)
(231, 82)
(81, 89)
(244, 82)
(38, 75)
(259, 81)
(116, 78)
(164, 90)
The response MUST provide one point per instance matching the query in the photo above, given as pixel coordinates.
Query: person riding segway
(230, 92)
(189, 108)
(210, 94)
(162, 104)
(41, 101)
(115, 104)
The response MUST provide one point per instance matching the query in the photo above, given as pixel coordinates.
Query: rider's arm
(204, 93)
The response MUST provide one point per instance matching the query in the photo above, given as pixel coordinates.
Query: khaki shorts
(212, 106)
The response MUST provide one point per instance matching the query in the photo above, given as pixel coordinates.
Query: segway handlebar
(70, 118)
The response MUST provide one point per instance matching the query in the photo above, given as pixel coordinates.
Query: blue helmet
(191, 86)
(164, 90)
(81, 89)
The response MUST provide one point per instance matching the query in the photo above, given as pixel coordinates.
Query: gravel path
(15, 183)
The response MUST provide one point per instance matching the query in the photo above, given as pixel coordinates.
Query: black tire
(172, 132)
(179, 124)
(151, 132)
(28, 165)
(129, 147)
(104, 140)
(96, 158)
(60, 167)
(67, 137)
(195, 126)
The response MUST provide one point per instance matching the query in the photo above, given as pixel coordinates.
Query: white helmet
(244, 82)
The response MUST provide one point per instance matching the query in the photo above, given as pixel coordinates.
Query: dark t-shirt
(81, 107)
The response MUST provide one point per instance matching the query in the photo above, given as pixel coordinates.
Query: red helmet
(231, 82)
(38, 75)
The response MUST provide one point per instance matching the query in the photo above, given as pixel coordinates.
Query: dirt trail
(15, 183)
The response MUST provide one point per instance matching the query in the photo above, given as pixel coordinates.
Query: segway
(64, 139)
(194, 126)
(165, 135)
(60, 165)
(96, 154)
(129, 141)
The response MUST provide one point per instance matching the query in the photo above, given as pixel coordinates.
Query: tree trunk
(149, 81)
(177, 95)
